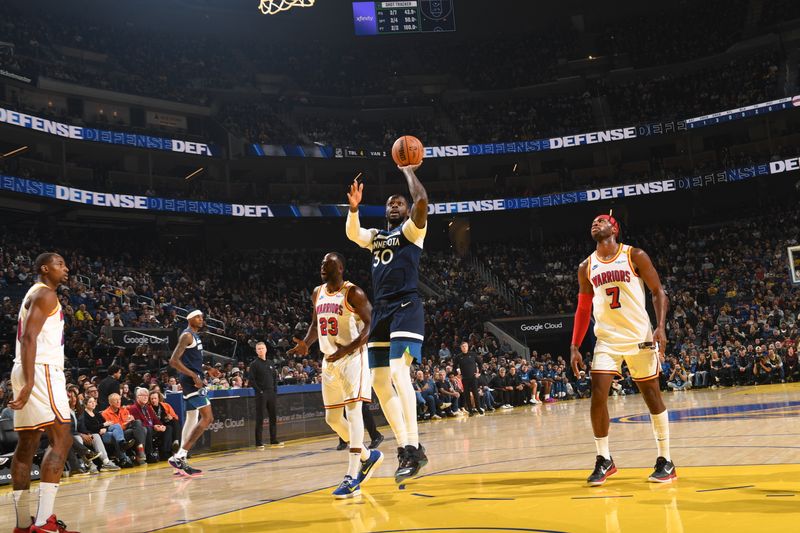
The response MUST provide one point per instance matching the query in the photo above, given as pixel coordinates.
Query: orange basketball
(407, 150)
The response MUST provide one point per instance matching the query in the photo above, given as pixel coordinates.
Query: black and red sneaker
(663, 472)
(603, 469)
(53, 525)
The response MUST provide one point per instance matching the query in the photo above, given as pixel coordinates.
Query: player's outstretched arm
(301, 345)
(419, 211)
(176, 362)
(41, 303)
(353, 230)
(582, 316)
(645, 269)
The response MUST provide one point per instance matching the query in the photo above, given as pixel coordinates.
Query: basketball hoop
(271, 7)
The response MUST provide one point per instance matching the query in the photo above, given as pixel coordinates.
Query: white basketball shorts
(347, 380)
(47, 404)
(643, 364)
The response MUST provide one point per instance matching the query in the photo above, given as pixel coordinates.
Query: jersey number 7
(614, 293)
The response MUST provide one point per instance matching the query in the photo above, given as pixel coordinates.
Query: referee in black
(467, 362)
(264, 379)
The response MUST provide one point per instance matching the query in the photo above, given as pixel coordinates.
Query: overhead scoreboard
(403, 16)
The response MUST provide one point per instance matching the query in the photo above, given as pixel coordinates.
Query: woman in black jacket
(93, 423)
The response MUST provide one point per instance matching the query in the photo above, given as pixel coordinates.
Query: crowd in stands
(734, 320)
(736, 83)
(189, 67)
(663, 35)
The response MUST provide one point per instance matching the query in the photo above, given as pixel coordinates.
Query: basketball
(407, 150)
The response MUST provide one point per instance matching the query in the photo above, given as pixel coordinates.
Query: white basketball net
(271, 7)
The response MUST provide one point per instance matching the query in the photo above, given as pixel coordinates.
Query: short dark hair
(113, 369)
(403, 196)
(340, 258)
(42, 260)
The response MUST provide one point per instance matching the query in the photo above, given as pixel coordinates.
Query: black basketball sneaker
(415, 459)
(663, 472)
(603, 469)
(182, 468)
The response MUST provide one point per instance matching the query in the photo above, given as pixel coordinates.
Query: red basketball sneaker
(53, 525)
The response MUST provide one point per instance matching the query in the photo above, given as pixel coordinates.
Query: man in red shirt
(157, 433)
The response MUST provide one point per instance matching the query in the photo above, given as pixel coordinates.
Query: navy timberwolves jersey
(193, 359)
(395, 260)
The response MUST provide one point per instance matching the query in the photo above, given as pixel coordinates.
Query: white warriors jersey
(50, 342)
(620, 315)
(337, 322)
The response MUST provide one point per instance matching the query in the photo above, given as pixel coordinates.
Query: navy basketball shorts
(398, 328)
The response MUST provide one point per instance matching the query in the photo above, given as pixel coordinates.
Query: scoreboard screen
(403, 16)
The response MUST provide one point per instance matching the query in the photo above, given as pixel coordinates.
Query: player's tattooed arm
(358, 301)
(644, 268)
(419, 196)
(176, 363)
(301, 345)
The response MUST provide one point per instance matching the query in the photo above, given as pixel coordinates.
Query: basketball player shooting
(398, 322)
(40, 396)
(611, 282)
(341, 316)
(187, 358)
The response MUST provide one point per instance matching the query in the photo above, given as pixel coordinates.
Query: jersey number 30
(614, 293)
(328, 326)
(382, 256)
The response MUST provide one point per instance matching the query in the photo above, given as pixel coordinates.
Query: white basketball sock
(353, 464)
(355, 424)
(601, 443)
(390, 404)
(660, 424)
(22, 503)
(47, 500)
(401, 377)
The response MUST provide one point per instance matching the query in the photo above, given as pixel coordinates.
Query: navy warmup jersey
(395, 260)
(193, 359)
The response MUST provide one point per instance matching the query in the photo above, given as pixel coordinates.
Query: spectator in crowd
(701, 373)
(126, 397)
(166, 414)
(132, 428)
(678, 379)
(111, 435)
(108, 386)
(502, 389)
(447, 394)
(158, 442)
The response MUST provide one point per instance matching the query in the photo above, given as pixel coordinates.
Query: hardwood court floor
(736, 450)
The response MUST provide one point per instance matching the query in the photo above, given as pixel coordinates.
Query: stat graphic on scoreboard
(403, 16)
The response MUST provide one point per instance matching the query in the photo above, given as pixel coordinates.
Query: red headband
(612, 221)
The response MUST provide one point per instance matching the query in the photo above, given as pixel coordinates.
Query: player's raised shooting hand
(300, 347)
(576, 360)
(354, 196)
(21, 398)
(411, 168)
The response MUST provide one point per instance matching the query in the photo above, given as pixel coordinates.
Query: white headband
(193, 314)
